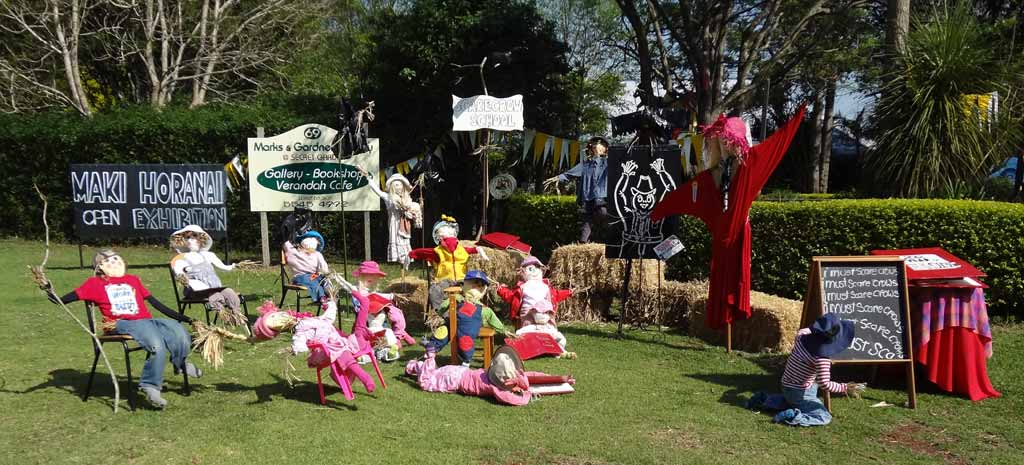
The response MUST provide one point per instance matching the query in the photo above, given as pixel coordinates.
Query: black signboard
(871, 292)
(147, 200)
(638, 178)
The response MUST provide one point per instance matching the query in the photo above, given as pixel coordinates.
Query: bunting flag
(556, 152)
(528, 136)
(235, 172)
(539, 142)
(574, 152)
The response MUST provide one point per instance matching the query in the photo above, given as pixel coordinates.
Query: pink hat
(732, 132)
(368, 268)
(531, 260)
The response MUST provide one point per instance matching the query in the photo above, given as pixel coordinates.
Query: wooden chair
(129, 345)
(187, 302)
(486, 334)
(287, 285)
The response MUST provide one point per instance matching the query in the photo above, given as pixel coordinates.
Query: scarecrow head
(107, 263)
(506, 370)
(311, 242)
(725, 139)
(531, 268)
(597, 147)
(643, 197)
(398, 185)
(474, 285)
(272, 321)
(191, 238)
(445, 228)
(368, 274)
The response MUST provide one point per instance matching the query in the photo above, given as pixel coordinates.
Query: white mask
(193, 244)
(310, 243)
(531, 272)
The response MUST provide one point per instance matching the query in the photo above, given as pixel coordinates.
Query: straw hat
(505, 366)
(398, 177)
(206, 242)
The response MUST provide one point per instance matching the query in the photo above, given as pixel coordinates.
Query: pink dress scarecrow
(326, 345)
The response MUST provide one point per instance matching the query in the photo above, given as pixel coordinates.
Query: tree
(721, 49)
(52, 32)
(897, 25)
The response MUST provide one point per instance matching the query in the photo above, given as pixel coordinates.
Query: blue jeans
(800, 407)
(159, 337)
(315, 287)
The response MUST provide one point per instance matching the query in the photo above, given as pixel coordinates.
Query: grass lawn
(650, 398)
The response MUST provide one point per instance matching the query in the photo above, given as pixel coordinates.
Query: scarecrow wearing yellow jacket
(449, 257)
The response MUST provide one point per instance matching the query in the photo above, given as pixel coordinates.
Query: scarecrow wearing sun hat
(807, 369)
(471, 315)
(404, 214)
(382, 310)
(449, 257)
(194, 266)
(505, 380)
(307, 264)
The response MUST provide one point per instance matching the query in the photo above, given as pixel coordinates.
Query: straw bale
(771, 327)
(670, 305)
(502, 266)
(586, 306)
(415, 291)
(582, 266)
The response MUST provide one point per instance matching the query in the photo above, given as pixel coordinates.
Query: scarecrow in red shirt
(721, 197)
(532, 305)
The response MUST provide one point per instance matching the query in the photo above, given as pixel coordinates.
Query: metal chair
(124, 340)
(287, 285)
(187, 302)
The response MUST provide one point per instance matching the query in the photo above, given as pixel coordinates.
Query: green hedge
(39, 148)
(990, 235)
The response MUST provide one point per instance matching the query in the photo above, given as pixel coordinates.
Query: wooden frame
(813, 309)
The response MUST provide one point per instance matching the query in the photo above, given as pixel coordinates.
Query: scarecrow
(403, 215)
(721, 197)
(471, 315)
(532, 305)
(194, 267)
(317, 335)
(122, 300)
(381, 307)
(591, 186)
(505, 380)
(449, 257)
(307, 264)
(807, 369)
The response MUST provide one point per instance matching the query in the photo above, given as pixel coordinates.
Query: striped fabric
(943, 308)
(803, 369)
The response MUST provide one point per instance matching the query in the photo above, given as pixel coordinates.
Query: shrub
(788, 234)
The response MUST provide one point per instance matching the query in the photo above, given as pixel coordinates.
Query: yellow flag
(556, 152)
(574, 152)
(539, 141)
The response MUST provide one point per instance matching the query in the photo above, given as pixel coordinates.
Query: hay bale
(586, 307)
(771, 327)
(669, 306)
(415, 291)
(580, 266)
(503, 265)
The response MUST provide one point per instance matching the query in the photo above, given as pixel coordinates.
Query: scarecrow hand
(550, 181)
(182, 279)
(51, 295)
(508, 334)
(855, 389)
(483, 254)
(363, 172)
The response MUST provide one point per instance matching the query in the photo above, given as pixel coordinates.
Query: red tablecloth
(953, 339)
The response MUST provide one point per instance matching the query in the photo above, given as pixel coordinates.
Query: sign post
(872, 293)
(264, 227)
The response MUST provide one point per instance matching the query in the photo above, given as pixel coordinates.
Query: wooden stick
(44, 284)
(728, 338)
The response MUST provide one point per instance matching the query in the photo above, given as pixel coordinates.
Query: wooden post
(264, 228)
(625, 296)
(728, 338)
(81, 259)
(366, 235)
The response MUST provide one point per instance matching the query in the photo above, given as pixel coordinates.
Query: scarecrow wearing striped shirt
(809, 366)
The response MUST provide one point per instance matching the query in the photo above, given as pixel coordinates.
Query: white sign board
(928, 262)
(669, 247)
(482, 111)
(297, 169)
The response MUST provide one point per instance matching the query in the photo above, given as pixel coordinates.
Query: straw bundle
(670, 305)
(209, 341)
(503, 265)
(771, 327)
(586, 306)
(414, 291)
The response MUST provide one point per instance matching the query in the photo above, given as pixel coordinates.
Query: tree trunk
(68, 40)
(825, 154)
(814, 149)
(643, 50)
(897, 25)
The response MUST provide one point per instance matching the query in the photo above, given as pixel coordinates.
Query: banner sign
(298, 169)
(147, 200)
(482, 111)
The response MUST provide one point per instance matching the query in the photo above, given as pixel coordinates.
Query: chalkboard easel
(871, 291)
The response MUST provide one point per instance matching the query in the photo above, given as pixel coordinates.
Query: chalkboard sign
(872, 293)
(147, 200)
(638, 179)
